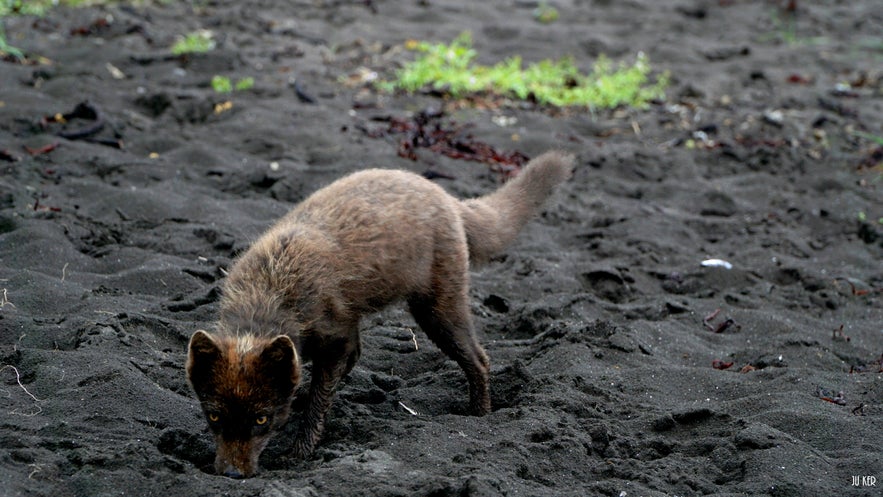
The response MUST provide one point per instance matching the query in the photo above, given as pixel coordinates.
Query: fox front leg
(326, 377)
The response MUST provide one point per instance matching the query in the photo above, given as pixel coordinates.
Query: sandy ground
(598, 321)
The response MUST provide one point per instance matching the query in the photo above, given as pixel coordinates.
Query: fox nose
(234, 473)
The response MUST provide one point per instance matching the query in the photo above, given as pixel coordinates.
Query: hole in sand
(191, 447)
(606, 285)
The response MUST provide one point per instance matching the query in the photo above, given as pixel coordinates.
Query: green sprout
(867, 136)
(18, 7)
(244, 84)
(223, 84)
(787, 28)
(785, 31)
(6, 48)
(545, 13)
(560, 83)
(201, 41)
(863, 218)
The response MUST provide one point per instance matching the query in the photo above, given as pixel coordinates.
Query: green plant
(7, 49)
(245, 84)
(40, 7)
(785, 30)
(223, 84)
(545, 13)
(200, 41)
(24, 7)
(37, 8)
(867, 136)
(863, 218)
(559, 83)
(786, 27)
(7, 8)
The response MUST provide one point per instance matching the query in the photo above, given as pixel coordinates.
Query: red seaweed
(430, 130)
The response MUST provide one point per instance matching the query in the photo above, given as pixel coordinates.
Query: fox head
(246, 385)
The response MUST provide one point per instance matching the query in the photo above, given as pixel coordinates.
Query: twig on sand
(412, 412)
(414, 339)
(4, 301)
(18, 380)
(64, 271)
(15, 345)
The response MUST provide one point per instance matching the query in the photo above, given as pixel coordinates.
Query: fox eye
(261, 420)
(213, 417)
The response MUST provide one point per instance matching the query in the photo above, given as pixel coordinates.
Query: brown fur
(353, 247)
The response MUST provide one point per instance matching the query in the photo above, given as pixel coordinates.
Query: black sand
(602, 376)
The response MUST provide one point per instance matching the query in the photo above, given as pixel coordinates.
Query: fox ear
(280, 361)
(202, 354)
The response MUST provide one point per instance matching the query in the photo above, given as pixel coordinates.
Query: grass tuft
(545, 13)
(200, 41)
(223, 84)
(450, 68)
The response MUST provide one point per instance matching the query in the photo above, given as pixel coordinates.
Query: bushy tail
(493, 221)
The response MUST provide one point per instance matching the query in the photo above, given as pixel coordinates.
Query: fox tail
(493, 221)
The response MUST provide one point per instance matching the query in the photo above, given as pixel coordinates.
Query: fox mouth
(239, 458)
(234, 473)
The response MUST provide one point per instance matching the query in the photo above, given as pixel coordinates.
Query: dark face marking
(241, 432)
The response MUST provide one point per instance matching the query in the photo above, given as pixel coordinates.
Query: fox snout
(238, 458)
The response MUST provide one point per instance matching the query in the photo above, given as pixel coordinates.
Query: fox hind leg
(448, 324)
(443, 314)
